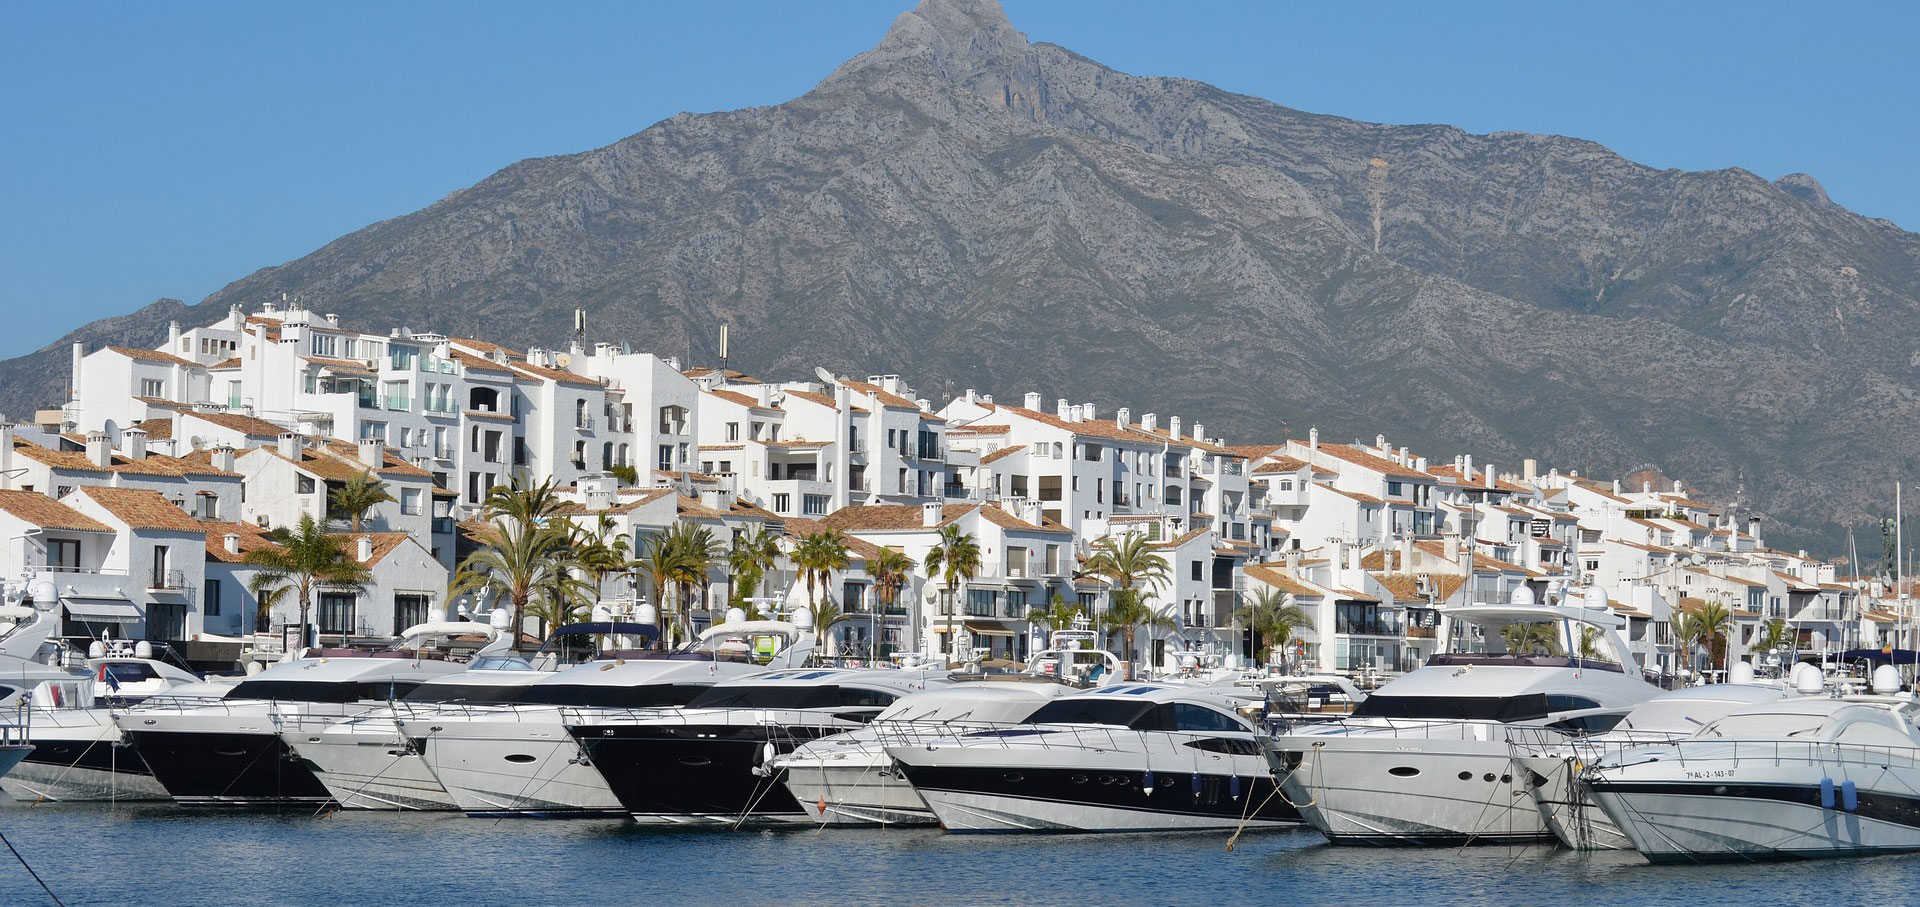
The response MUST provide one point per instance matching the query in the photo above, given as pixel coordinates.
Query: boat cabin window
(790, 697)
(333, 691)
(115, 673)
(494, 693)
(1190, 717)
(500, 663)
(1471, 708)
(1806, 726)
(607, 696)
(1077, 710)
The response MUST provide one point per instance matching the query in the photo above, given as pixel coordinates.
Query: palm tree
(1531, 638)
(1686, 633)
(1712, 623)
(1131, 612)
(697, 551)
(890, 570)
(1273, 619)
(601, 551)
(956, 558)
(360, 493)
(306, 559)
(1126, 563)
(818, 554)
(755, 552)
(1058, 615)
(824, 617)
(1774, 636)
(530, 551)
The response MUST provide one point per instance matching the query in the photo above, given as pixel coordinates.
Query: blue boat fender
(1849, 796)
(1826, 793)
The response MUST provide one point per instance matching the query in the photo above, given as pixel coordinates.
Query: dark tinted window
(1190, 717)
(1483, 708)
(644, 696)
(309, 691)
(776, 697)
(1074, 710)
(467, 692)
(127, 672)
(853, 696)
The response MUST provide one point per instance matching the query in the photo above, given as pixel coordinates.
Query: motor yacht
(1132, 757)
(1805, 777)
(848, 778)
(211, 744)
(712, 761)
(368, 762)
(518, 759)
(1552, 759)
(1425, 760)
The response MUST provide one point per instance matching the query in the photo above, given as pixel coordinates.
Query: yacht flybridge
(1426, 759)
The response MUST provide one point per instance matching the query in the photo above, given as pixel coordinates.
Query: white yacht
(711, 762)
(1131, 757)
(1552, 760)
(848, 779)
(368, 762)
(517, 759)
(1425, 759)
(227, 750)
(1806, 777)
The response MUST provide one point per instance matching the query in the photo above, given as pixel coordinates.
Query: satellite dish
(565, 360)
(825, 376)
(198, 442)
(1698, 558)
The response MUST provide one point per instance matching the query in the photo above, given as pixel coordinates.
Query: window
(212, 608)
(161, 577)
(733, 431)
(403, 358)
(63, 555)
(373, 431)
(152, 387)
(579, 454)
(666, 457)
(782, 503)
(336, 612)
(1395, 489)
(234, 396)
(814, 505)
(1196, 570)
(408, 610)
(1190, 717)
(410, 499)
(325, 345)
(306, 485)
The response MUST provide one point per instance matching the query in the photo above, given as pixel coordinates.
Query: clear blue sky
(164, 149)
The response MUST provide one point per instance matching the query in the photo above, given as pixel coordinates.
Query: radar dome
(45, 595)
(500, 618)
(646, 614)
(1522, 595)
(1742, 672)
(735, 615)
(143, 649)
(1807, 679)
(1886, 680)
(802, 617)
(1595, 597)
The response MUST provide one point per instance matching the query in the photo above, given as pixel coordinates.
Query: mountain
(969, 209)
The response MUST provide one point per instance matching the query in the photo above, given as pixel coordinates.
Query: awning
(988, 628)
(103, 610)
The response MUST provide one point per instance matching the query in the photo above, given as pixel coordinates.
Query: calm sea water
(157, 854)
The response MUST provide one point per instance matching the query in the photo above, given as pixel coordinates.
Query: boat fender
(1826, 793)
(1146, 783)
(1849, 796)
(1233, 787)
(1196, 785)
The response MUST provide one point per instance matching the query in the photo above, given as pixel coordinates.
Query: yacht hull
(1565, 806)
(78, 756)
(1378, 787)
(207, 768)
(370, 770)
(1028, 799)
(12, 754)
(862, 789)
(1762, 812)
(694, 775)
(525, 768)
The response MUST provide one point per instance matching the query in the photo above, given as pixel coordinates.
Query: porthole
(1466, 776)
(1403, 771)
(1488, 777)
(1077, 779)
(521, 758)
(1013, 777)
(1506, 779)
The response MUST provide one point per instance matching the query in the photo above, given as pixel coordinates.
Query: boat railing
(16, 723)
(1544, 741)
(1731, 752)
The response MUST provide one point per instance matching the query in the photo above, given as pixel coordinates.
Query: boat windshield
(466, 692)
(790, 697)
(1768, 725)
(610, 696)
(331, 691)
(1471, 708)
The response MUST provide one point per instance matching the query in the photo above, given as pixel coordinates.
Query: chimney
(1406, 553)
(223, 458)
(1380, 442)
(99, 451)
(333, 319)
(1466, 468)
(763, 394)
(1199, 432)
(1030, 511)
(1060, 410)
(373, 453)
(987, 399)
(1173, 427)
(1150, 422)
(79, 353)
(1616, 486)
(930, 514)
(1420, 464)
(289, 446)
(1032, 401)
(1313, 443)
(1530, 469)
(1123, 417)
(6, 455)
(1087, 412)
(1452, 548)
(364, 549)
(232, 542)
(1677, 489)
(1490, 475)
(971, 396)
(134, 442)
(173, 337)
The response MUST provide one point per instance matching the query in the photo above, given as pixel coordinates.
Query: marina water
(99, 854)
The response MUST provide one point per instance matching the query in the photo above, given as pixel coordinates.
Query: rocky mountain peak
(1803, 186)
(957, 39)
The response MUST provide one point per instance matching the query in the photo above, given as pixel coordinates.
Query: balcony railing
(400, 404)
(166, 581)
(584, 423)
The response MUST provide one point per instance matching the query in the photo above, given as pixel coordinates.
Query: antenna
(723, 350)
(579, 326)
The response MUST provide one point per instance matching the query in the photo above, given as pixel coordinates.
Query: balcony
(956, 490)
(1423, 633)
(399, 404)
(584, 423)
(167, 581)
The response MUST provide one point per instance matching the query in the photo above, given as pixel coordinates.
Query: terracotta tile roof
(856, 547)
(624, 505)
(384, 543)
(729, 374)
(980, 429)
(225, 364)
(1182, 539)
(740, 399)
(252, 538)
(48, 513)
(152, 356)
(152, 464)
(908, 517)
(1001, 454)
(796, 443)
(1479, 480)
(485, 348)
(393, 463)
(487, 416)
(1405, 587)
(161, 403)
(1255, 451)
(822, 400)
(1375, 462)
(473, 363)
(894, 401)
(156, 429)
(1281, 580)
(1362, 498)
(555, 375)
(344, 365)
(1107, 428)
(141, 509)
(692, 509)
(1599, 489)
(1688, 503)
(1279, 465)
(1480, 561)
(248, 425)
